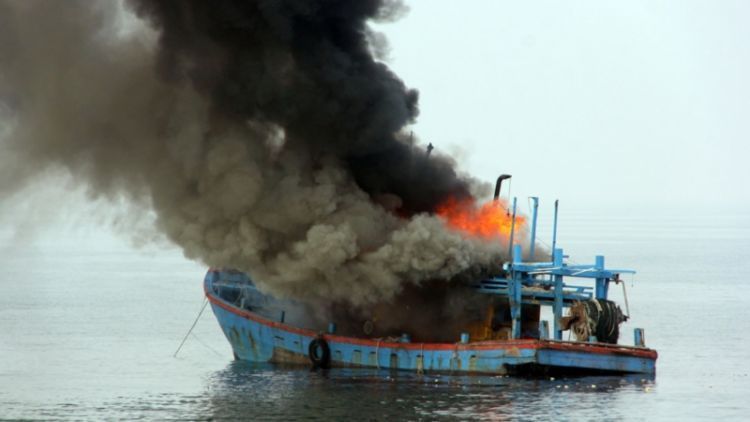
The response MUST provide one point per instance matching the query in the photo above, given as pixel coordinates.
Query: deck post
(554, 230)
(602, 284)
(557, 258)
(544, 330)
(515, 294)
(512, 229)
(639, 340)
(532, 248)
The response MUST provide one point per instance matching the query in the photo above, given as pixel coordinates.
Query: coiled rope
(595, 317)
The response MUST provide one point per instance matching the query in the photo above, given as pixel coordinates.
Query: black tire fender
(319, 353)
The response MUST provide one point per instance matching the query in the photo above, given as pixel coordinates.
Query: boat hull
(259, 339)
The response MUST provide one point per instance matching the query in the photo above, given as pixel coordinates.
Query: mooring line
(205, 302)
(625, 296)
(206, 345)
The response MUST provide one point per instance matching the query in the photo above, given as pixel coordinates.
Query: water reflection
(247, 390)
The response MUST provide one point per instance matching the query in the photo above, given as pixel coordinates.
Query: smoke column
(265, 136)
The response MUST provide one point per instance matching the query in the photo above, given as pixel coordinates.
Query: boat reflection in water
(244, 389)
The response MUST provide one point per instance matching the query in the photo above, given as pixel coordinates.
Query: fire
(489, 220)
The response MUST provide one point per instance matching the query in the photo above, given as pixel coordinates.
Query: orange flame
(490, 220)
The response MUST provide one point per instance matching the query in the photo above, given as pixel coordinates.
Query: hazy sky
(634, 103)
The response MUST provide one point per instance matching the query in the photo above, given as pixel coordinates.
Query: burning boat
(504, 334)
(272, 136)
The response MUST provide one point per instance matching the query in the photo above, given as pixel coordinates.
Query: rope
(206, 345)
(596, 317)
(205, 302)
(625, 296)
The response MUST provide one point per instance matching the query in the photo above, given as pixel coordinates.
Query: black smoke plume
(264, 135)
(307, 67)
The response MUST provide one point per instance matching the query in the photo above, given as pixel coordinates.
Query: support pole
(512, 229)
(533, 227)
(602, 284)
(639, 338)
(515, 291)
(554, 230)
(557, 261)
(544, 330)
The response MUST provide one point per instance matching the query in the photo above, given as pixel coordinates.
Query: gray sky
(634, 103)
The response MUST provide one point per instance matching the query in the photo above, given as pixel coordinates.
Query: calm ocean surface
(88, 326)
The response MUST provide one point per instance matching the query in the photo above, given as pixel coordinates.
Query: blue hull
(259, 339)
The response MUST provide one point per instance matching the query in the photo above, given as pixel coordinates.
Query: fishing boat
(509, 338)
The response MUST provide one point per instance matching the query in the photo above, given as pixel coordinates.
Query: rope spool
(595, 317)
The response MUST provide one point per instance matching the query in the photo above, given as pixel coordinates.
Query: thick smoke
(264, 135)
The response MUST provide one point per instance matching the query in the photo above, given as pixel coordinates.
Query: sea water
(89, 326)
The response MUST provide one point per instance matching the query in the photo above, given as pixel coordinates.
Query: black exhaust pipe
(499, 183)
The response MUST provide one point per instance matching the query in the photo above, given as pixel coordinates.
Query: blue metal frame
(543, 283)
